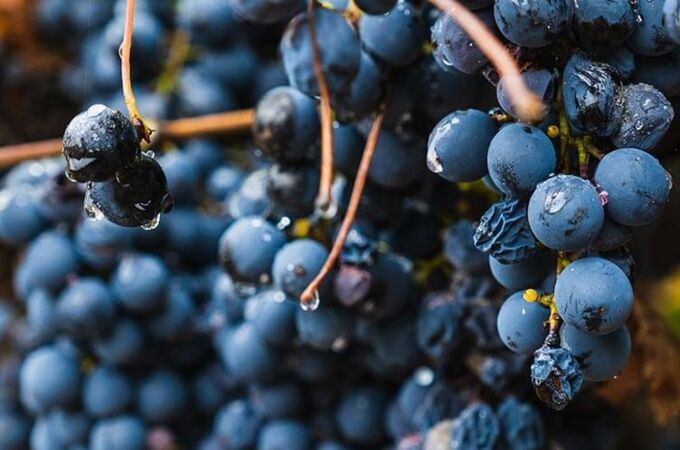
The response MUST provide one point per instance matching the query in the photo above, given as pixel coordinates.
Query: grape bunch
(471, 249)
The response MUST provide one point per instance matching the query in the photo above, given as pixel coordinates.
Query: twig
(125, 50)
(231, 122)
(324, 198)
(529, 107)
(310, 292)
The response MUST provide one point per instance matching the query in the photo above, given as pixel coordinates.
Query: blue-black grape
(237, 424)
(594, 295)
(651, 38)
(281, 399)
(612, 236)
(604, 24)
(524, 274)
(533, 24)
(68, 428)
(376, 7)
(395, 163)
(439, 325)
(565, 213)
(539, 81)
(86, 308)
(98, 143)
(589, 90)
(503, 232)
(363, 94)
(340, 56)
(556, 376)
(477, 427)
(48, 378)
(636, 185)
(286, 125)
(521, 324)
(326, 328)
(520, 156)
(454, 50)
(521, 425)
(360, 415)
(600, 357)
(106, 392)
(206, 22)
(458, 145)
(20, 216)
(249, 357)
(645, 118)
(267, 11)
(296, 265)
(662, 72)
(289, 434)
(395, 38)
(183, 174)
(123, 345)
(460, 250)
(139, 283)
(123, 432)
(292, 189)
(248, 248)
(162, 397)
(274, 316)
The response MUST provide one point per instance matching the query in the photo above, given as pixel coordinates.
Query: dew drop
(313, 305)
(283, 223)
(424, 376)
(152, 224)
(329, 212)
(339, 344)
(92, 211)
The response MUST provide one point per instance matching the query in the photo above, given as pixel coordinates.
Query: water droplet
(152, 224)
(329, 212)
(149, 154)
(92, 211)
(554, 202)
(433, 162)
(604, 197)
(340, 344)
(313, 305)
(284, 223)
(424, 376)
(245, 289)
(265, 278)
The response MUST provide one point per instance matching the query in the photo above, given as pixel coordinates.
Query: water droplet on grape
(339, 344)
(424, 376)
(433, 162)
(152, 224)
(313, 305)
(92, 211)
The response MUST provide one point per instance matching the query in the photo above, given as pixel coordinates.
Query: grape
(600, 357)
(647, 115)
(439, 325)
(659, 71)
(453, 48)
(118, 433)
(637, 186)
(340, 58)
(123, 345)
(134, 201)
(184, 176)
(98, 143)
(476, 427)
(395, 38)
(605, 24)
(139, 283)
(296, 265)
(176, 316)
(459, 248)
(520, 157)
(201, 92)
(17, 429)
(523, 274)
(363, 94)
(593, 295)
(327, 328)
(539, 81)
(248, 357)
(292, 189)
(42, 316)
(556, 376)
(20, 217)
(267, 11)
(671, 19)
(565, 213)
(504, 233)
(521, 324)
(106, 392)
(248, 248)
(521, 424)
(533, 24)
(206, 22)
(162, 397)
(274, 316)
(458, 145)
(86, 308)
(612, 236)
(395, 164)
(290, 434)
(376, 7)
(277, 400)
(651, 38)
(589, 91)
(392, 286)
(67, 428)
(48, 378)
(238, 424)
(286, 125)
(360, 414)
(222, 182)
(620, 59)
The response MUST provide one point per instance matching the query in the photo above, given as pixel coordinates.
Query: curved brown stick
(231, 123)
(324, 198)
(128, 94)
(527, 104)
(309, 293)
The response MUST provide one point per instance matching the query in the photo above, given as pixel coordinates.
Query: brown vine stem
(324, 198)
(125, 50)
(527, 104)
(310, 293)
(229, 123)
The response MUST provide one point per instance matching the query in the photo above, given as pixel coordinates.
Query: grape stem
(229, 123)
(143, 130)
(310, 292)
(528, 106)
(324, 199)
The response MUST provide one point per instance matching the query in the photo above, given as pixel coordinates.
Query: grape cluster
(488, 255)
